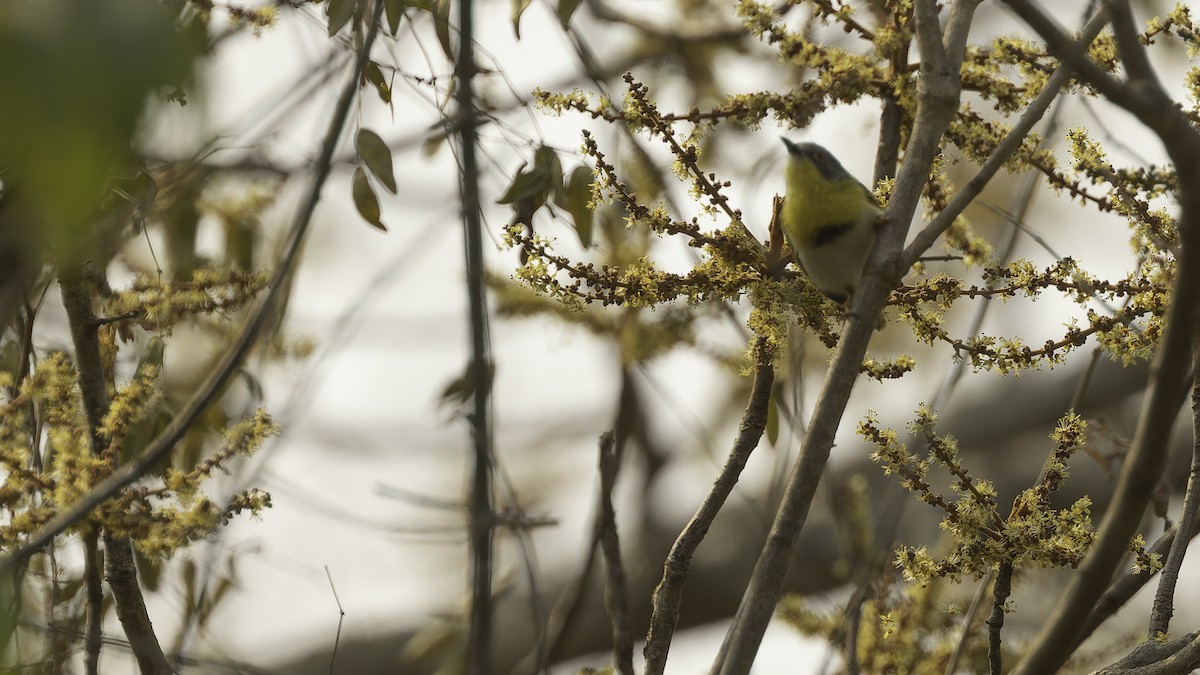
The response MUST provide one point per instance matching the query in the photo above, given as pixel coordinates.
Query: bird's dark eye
(819, 156)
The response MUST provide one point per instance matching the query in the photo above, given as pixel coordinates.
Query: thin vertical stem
(481, 520)
(995, 623)
(94, 602)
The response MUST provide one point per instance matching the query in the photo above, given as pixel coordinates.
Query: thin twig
(337, 639)
(235, 354)
(1122, 590)
(566, 610)
(616, 591)
(669, 593)
(1164, 597)
(995, 623)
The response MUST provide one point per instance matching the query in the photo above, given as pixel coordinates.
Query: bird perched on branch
(829, 220)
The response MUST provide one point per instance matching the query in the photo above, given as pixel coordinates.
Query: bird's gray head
(828, 165)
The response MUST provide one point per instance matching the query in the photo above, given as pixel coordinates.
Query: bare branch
(616, 590)
(94, 611)
(669, 593)
(1123, 589)
(1164, 597)
(995, 623)
(1174, 657)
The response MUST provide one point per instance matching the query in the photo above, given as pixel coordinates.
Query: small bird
(829, 219)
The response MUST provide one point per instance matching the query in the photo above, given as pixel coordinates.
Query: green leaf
(441, 26)
(773, 417)
(365, 200)
(544, 179)
(339, 12)
(546, 159)
(431, 145)
(524, 186)
(566, 9)
(377, 156)
(576, 197)
(374, 75)
(394, 11)
(518, 8)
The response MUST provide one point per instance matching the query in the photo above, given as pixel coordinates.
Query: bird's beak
(791, 147)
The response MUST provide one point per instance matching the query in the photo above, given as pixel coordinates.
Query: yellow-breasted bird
(829, 219)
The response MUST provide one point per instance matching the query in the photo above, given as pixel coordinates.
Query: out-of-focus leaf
(537, 183)
(149, 570)
(365, 200)
(576, 199)
(546, 159)
(518, 8)
(457, 394)
(566, 9)
(375, 76)
(377, 156)
(430, 147)
(394, 11)
(524, 185)
(339, 12)
(441, 26)
(77, 77)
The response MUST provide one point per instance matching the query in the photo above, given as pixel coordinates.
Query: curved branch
(669, 593)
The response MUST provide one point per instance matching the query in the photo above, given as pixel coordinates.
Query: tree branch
(616, 590)
(1164, 597)
(482, 518)
(669, 593)
(120, 570)
(1144, 465)
(995, 622)
(1174, 657)
(926, 238)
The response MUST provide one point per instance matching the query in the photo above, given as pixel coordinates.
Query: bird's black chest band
(830, 233)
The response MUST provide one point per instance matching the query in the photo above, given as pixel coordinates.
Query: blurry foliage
(78, 202)
(75, 77)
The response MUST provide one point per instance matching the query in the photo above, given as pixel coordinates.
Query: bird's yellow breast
(813, 203)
